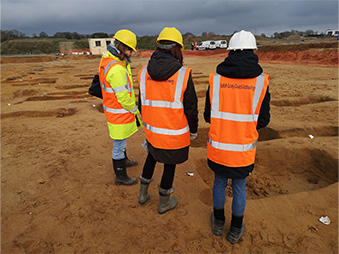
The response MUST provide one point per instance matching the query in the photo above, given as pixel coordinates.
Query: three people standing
(237, 105)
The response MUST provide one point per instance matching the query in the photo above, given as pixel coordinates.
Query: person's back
(168, 104)
(237, 105)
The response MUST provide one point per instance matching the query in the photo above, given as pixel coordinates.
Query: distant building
(332, 32)
(98, 45)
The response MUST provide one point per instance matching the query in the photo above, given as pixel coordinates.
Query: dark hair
(239, 51)
(174, 51)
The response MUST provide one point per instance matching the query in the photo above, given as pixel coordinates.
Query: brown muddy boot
(122, 178)
(130, 163)
(144, 184)
(165, 202)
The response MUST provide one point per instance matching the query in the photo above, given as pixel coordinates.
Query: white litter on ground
(325, 220)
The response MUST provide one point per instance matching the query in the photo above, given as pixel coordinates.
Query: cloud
(149, 17)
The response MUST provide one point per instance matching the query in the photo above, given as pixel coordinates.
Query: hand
(193, 136)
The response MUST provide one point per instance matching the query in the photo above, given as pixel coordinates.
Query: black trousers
(167, 175)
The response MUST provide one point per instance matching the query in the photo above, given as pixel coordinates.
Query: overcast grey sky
(145, 17)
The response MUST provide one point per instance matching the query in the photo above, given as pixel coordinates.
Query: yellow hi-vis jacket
(235, 107)
(165, 123)
(118, 96)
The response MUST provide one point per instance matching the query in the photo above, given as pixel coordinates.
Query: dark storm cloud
(149, 17)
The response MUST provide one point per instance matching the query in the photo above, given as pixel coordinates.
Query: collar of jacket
(108, 54)
(240, 66)
(114, 51)
(162, 66)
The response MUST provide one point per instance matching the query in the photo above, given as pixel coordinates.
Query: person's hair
(174, 51)
(122, 48)
(239, 51)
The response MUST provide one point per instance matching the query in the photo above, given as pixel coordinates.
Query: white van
(206, 45)
(221, 44)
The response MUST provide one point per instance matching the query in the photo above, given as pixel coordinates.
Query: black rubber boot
(130, 163)
(122, 178)
(217, 225)
(234, 234)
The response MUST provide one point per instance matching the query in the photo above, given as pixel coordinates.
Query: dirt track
(57, 191)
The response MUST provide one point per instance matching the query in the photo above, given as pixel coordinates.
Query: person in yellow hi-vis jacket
(119, 100)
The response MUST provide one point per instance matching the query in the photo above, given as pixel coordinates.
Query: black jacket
(161, 67)
(240, 66)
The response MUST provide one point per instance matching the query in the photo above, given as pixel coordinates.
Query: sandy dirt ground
(57, 183)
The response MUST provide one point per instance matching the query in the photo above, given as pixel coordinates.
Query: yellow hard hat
(171, 34)
(126, 37)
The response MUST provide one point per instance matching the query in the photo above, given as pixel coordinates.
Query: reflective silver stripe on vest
(165, 104)
(116, 89)
(215, 113)
(115, 111)
(119, 110)
(231, 147)
(120, 88)
(166, 131)
(258, 89)
(134, 109)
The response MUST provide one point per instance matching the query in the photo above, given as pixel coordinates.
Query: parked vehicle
(332, 32)
(206, 45)
(221, 44)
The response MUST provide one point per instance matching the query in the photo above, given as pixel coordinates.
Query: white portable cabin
(98, 45)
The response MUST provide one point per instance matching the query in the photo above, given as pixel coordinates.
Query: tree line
(14, 34)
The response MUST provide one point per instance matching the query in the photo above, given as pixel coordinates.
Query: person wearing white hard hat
(118, 102)
(237, 105)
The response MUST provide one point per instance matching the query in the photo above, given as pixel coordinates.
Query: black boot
(122, 178)
(130, 163)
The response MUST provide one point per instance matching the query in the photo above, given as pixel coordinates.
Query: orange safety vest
(165, 124)
(235, 107)
(114, 112)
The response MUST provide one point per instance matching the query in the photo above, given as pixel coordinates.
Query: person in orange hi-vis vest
(118, 102)
(168, 105)
(237, 105)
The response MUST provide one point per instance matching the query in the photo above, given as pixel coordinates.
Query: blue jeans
(119, 147)
(239, 194)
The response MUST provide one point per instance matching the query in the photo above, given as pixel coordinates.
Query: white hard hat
(242, 40)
